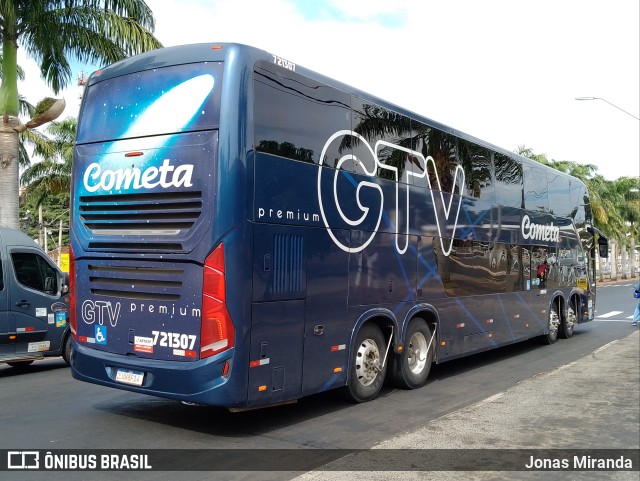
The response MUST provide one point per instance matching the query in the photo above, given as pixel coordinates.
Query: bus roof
(248, 55)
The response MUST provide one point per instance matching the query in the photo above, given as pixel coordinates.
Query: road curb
(591, 403)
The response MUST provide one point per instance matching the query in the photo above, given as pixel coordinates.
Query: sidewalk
(592, 403)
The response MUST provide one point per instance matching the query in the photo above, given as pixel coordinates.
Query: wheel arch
(381, 317)
(423, 311)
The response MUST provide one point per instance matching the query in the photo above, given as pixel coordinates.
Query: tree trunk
(614, 262)
(9, 169)
(602, 265)
(624, 262)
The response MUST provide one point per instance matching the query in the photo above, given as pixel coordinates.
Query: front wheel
(367, 373)
(411, 368)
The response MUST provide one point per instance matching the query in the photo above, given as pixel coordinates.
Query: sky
(504, 71)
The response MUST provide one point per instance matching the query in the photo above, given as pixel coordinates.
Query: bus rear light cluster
(216, 331)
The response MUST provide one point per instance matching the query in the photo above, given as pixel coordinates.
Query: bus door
(277, 314)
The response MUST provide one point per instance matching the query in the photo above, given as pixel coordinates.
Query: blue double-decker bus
(247, 232)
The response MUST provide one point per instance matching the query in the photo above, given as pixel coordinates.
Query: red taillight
(216, 331)
(72, 293)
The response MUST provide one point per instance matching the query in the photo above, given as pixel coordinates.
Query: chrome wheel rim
(571, 318)
(417, 353)
(367, 362)
(554, 321)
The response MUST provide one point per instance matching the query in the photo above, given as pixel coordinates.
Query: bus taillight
(216, 332)
(72, 294)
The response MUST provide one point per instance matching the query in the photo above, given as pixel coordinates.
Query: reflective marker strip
(340, 347)
(260, 362)
(25, 329)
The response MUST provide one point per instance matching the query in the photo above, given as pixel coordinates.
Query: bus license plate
(125, 376)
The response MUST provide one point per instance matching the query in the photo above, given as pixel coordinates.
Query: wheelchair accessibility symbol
(101, 335)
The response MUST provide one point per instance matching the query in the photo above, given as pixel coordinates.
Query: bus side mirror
(603, 247)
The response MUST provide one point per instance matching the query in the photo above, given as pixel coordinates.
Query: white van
(34, 302)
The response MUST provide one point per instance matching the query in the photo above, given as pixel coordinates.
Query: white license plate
(125, 376)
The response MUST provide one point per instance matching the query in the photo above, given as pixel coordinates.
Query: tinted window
(526, 255)
(476, 268)
(576, 196)
(509, 182)
(160, 101)
(513, 275)
(544, 266)
(478, 169)
(1, 276)
(295, 116)
(33, 271)
(443, 148)
(536, 193)
(375, 124)
(559, 194)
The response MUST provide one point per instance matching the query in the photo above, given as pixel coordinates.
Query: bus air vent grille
(140, 283)
(288, 265)
(152, 214)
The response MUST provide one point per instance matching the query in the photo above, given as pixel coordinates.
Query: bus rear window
(165, 100)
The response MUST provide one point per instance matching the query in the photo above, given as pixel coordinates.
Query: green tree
(51, 176)
(51, 32)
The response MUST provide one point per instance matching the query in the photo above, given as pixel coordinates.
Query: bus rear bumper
(198, 382)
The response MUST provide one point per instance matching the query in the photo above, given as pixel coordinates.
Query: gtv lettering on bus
(164, 176)
(541, 232)
(102, 311)
(447, 223)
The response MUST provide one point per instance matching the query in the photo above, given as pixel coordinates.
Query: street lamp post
(605, 100)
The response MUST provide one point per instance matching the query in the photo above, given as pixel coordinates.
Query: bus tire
(553, 326)
(367, 375)
(411, 367)
(66, 349)
(568, 322)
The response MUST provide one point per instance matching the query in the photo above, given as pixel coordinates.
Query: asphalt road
(44, 408)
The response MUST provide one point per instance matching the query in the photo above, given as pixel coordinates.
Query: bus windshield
(180, 98)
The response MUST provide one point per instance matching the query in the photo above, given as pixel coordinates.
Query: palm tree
(52, 175)
(628, 209)
(51, 31)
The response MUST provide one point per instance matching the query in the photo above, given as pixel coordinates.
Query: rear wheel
(367, 374)
(553, 326)
(569, 321)
(411, 368)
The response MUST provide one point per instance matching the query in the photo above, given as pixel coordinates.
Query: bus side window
(442, 148)
(295, 116)
(477, 163)
(508, 178)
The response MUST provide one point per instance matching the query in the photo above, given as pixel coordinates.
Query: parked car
(34, 302)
